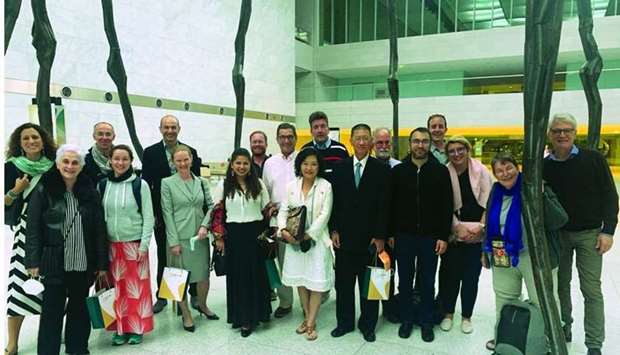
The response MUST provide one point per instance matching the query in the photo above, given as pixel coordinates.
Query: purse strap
(68, 230)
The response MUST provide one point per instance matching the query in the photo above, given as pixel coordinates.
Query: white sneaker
(466, 326)
(446, 324)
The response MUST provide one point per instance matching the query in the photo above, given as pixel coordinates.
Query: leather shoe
(568, 334)
(281, 312)
(245, 332)
(428, 335)
(392, 318)
(594, 352)
(370, 336)
(404, 331)
(338, 332)
(159, 305)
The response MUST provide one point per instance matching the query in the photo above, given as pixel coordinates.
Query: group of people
(87, 220)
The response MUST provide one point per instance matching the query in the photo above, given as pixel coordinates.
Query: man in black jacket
(421, 220)
(158, 165)
(97, 165)
(359, 218)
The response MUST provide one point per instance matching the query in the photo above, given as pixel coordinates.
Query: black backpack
(136, 188)
(521, 330)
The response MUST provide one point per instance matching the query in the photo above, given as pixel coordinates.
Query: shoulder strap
(204, 195)
(136, 188)
(101, 187)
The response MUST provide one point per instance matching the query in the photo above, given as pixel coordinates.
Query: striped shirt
(75, 248)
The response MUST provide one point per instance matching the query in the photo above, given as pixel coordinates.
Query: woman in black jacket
(66, 245)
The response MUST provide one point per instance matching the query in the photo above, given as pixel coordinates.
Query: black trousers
(459, 271)
(409, 250)
(161, 240)
(75, 287)
(349, 267)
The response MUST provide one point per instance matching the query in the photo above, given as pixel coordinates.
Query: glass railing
(367, 20)
(480, 85)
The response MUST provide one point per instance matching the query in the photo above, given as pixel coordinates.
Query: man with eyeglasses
(97, 161)
(438, 126)
(582, 180)
(278, 171)
(421, 220)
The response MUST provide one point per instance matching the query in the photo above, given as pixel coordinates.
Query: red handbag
(218, 219)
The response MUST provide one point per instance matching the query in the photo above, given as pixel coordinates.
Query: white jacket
(318, 204)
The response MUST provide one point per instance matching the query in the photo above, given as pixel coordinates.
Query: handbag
(218, 219)
(376, 282)
(218, 262)
(100, 307)
(296, 222)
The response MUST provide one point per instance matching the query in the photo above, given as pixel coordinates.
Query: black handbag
(218, 262)
(13, 212)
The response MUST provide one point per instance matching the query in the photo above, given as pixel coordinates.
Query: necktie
(358, 174)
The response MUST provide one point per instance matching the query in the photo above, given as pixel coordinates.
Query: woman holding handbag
(247, 288)
(66, 245)
(30, 153)
(129, 224)
(184, 200)
(311, 271)
(460, 264)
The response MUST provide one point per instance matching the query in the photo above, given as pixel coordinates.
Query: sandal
(303, 327)
(311, 333)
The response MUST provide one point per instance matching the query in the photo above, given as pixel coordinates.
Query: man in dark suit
(158, 165)
(359, 218)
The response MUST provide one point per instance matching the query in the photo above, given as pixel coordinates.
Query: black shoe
(594, 352)
(370, 337)
(189, 328)
(211, 316)
(568, 334)
(404, 331)
(245, 332)
(392, 318)
(281, 312)
(159, 305)
(338, 332)
(428, 335)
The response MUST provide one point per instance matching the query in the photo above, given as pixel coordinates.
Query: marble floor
(278, 336)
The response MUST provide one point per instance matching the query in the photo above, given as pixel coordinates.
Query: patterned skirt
(132, 282)
(19, 302)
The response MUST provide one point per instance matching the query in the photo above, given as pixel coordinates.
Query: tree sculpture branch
(392, 79)
(116, 69)
(543, 28)
(11, 13)
(590, 72)
(44, 42)
(237, 72)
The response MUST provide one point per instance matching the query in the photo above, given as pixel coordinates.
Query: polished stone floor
(278, 337)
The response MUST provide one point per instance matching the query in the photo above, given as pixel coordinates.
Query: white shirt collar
(363, 161)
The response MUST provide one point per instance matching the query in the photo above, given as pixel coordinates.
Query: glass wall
(349, 21)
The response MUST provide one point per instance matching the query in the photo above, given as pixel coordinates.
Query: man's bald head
(103, 134)
(169, 128)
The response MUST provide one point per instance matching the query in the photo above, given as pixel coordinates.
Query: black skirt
(247, 286)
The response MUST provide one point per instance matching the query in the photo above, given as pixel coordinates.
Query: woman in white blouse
(247, 286)
(311, 271)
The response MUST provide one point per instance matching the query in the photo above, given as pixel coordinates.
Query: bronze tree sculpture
(237, 72)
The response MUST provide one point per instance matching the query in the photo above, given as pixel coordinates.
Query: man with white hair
(582, 180)
(382, 141)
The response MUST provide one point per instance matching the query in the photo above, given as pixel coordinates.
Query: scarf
(512, 236)
(102, 161)
(31, 167)
(124, 176)
(479, 179)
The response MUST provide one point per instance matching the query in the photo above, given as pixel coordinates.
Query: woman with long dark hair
(247, 287)
(66, 245)
(30, 153)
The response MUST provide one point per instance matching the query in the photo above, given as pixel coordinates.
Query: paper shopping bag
(273, 274)
(100, 308)
(376, 285)
(174, 283)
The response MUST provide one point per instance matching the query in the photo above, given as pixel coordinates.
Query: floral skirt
(132, 282)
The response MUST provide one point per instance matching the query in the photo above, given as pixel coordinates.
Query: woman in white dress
(310, 271)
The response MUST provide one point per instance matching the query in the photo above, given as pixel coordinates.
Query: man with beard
(97, 160)
(438, 126)
(156, 166)
(258, 145)
(421, 220)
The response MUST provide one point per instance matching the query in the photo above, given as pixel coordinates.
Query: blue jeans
(409, 248)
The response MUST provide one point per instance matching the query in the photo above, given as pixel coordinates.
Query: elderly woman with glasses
(66, 245)
(461, 265)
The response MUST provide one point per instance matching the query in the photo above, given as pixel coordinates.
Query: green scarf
(102, 161)
(32, 167)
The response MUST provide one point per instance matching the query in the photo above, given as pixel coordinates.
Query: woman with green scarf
(31, 152)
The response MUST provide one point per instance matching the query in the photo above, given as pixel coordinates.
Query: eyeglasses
(559, 131)
(362, 139)
(457, 151)
(286, 138)
(420, 141)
